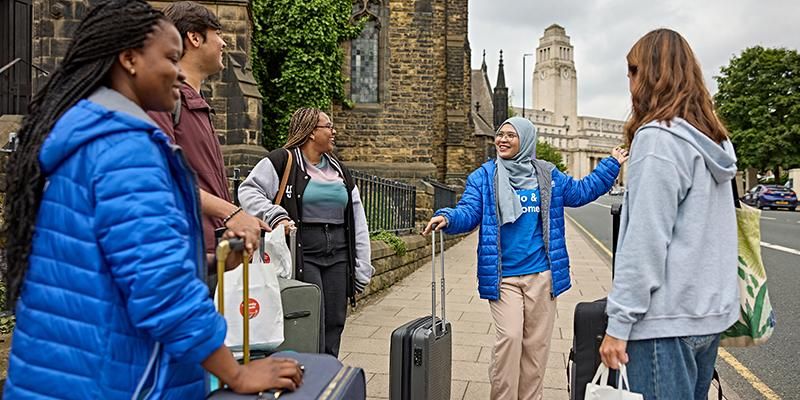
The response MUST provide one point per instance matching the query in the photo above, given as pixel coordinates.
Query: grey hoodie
(676, 261)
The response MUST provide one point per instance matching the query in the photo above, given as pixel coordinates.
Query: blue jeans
(672, 368)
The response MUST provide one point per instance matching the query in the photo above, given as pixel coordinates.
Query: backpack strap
(284, 178)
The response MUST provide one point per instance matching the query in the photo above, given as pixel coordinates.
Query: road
(764, 372)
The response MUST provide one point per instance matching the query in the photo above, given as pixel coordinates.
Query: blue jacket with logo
(478, 205)
(112, 306)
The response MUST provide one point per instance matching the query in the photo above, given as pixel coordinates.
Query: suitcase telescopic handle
(616, 212)
(433, 281)
(293, 249)
(223, 250)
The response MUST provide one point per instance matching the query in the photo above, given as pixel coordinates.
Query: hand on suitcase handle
(235, 255)
(436, 223)
(268, 374)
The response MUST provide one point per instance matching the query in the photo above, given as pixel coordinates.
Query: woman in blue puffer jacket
(104, 243)
(523, 266)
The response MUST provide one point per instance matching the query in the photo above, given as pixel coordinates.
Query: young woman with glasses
(333, 248)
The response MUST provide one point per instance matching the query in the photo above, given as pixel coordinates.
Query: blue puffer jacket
(112, 306)
(479, 205)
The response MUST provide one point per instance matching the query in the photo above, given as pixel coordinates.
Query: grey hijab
(516, 173)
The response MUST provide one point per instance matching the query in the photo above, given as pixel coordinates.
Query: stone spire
(501, 75)
(483, 64)
(500, 99)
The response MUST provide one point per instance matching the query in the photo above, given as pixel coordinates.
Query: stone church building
(410, 84)
(408, 77)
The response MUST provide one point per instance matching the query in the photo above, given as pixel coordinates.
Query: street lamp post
(523, 81)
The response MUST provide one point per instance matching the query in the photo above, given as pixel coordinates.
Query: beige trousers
(523, 318)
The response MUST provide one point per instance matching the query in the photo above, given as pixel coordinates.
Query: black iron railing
(443, 195)
(389, 205)
(15, 86)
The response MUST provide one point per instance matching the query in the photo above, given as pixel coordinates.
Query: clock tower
(555, 84)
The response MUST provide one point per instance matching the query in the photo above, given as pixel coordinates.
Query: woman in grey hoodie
(675, 288)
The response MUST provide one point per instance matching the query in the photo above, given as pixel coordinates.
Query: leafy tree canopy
(759, 101)
(544, 151)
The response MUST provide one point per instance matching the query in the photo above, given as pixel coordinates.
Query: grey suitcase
(302, 316)
(420, 363)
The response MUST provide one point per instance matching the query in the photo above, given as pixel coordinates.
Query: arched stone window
(365, 63)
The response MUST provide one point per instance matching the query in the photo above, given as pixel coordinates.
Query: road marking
(600, 204)
(780, 248)
(769, 218)
(589, 235)
(748, 376)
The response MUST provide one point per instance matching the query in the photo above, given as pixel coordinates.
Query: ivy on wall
(297, 58)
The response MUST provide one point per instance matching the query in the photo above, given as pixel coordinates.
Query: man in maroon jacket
(190, 126)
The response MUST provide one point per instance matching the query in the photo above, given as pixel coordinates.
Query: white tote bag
(599, 389)
(265, 308)
(276, 252)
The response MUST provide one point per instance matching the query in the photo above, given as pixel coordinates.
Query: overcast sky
(603, 31)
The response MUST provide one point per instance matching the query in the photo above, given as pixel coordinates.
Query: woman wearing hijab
(523, 265)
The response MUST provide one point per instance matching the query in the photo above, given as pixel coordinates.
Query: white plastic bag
(598, 388)
(276, 253)
(265, 308)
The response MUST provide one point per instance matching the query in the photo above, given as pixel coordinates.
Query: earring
(133, 72)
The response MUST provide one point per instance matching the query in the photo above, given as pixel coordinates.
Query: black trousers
(325, 265)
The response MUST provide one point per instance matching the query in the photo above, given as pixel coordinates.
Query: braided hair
(108, 29)
(303, 122)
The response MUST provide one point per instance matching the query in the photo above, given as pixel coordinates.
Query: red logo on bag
(253, 309)
(266, 258)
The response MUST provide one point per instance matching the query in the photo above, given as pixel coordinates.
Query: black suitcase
(324, 376)
(420, 363)
(589, 328)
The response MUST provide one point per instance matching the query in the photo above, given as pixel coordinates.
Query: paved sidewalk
(366, 338)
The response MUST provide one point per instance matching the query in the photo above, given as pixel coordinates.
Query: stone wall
(419, 127)
(391, 268)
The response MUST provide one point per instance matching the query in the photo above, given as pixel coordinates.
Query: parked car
(617, 191)
(771, 196)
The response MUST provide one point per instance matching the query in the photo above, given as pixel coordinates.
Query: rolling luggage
(324, 376)
(589, 328)
(421, 350)
(302, 311)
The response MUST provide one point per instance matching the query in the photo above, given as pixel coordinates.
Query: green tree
(511, 112)
(759, 101)
(548, 153)
(297, 58)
